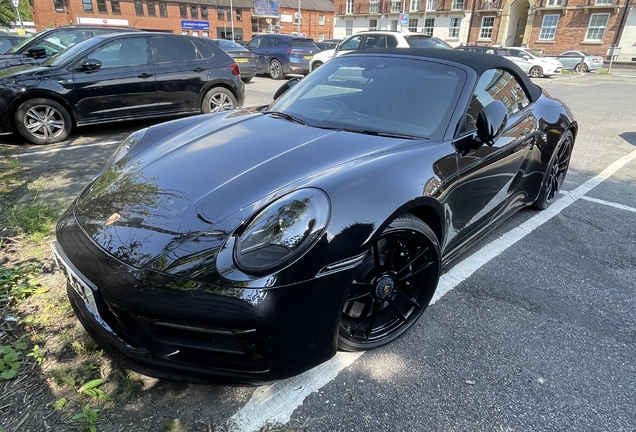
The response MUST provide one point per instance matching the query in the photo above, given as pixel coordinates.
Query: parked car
(324, 45)
(249, 246)
(485, 49)
(532, 62)
(116, 77)
(279, 54)
(571, 60)
(8, 40)
(36, 48)
(241, 55)
(378, 39)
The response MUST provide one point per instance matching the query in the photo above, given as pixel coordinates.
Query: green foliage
(175, 425)
(18, 283)
(10, 358)
(38, 354)
(87, 346)
(92, 389)
(59, 404)
(37, 220)
(87, 419)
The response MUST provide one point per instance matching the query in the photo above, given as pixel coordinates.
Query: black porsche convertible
(249, 246)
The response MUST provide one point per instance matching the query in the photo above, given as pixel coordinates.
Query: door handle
(199, 69)
(144, 75)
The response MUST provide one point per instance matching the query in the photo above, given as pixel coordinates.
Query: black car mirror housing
(491, 122)
(283, 89)
(36, 52)
(91, 64)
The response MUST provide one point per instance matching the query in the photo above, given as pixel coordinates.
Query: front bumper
(164, 328)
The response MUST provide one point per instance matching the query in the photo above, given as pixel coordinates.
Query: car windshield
(227, 43)
(71, 52)
(585, 53)
(302, 43)
(535, 53)
(419, 42)
(19, 46)
(377, 95)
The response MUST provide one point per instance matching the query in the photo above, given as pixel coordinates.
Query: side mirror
(36, 52)
(289, 84)
(491, 122)
(527, 57)
(91, 64)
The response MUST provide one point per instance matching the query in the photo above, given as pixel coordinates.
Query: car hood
(17, 72)
(209, 176)
(10, 60)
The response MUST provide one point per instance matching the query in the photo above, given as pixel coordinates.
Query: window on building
(229, 14)
(396, 6)
(548, 27)
(321, 20)
(101, 6)
(194, 11)
(220, 14)
(429, 25)
(152, 9)
(205, 34)
(183, 11)
(298, 18)
(239, 14)
(185, 32)
(139, 7)
(114, 7)
(415, 5)
(596, 29)
(555, 3)
(58, 5)
(373, 6)
(349, 6)
(457, 5)
(453, 28)
(204, 12)
(373, 24)
(604, 2)
(413, 25)
(163, 9)
(195, 33)
(487, 25)
(88, 5)
(321, 37)
(431, 5)
(348, 27)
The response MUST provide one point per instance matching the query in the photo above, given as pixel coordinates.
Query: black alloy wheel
(276, 70)
(536, 72)
(43, 121)
(557, 170)
(218, 99)
(395, 284)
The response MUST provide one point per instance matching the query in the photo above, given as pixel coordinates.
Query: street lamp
(232, 18)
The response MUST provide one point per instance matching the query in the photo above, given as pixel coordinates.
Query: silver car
(572, 60)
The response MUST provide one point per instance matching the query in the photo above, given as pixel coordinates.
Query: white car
(532, 62)
(378, 39)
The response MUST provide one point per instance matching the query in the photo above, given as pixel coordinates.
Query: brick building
(316, 18)
(201, 18)
(553, 26)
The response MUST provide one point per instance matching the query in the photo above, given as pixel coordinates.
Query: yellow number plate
(308, 57)
(241, 60)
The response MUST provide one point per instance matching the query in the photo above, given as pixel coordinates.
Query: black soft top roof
(479, 62)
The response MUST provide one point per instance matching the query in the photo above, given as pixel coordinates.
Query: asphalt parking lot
(535, 330)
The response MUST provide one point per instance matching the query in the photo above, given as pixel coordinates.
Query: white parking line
(75, 147)
(274, 404)
(611, 204)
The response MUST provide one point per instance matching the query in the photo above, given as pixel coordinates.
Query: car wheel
(394, 286)
(557, 170)
(316, 66)
(535, 72)
(218, 99)
(246, 80)
(276, 70)
(43, 121)
(585, 68)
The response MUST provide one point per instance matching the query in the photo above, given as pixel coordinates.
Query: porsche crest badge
(112, 219)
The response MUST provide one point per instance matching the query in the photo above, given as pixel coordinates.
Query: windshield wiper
(387, 134)
(286, 116)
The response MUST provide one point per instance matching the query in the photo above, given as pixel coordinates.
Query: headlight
(132, 140)
(282, 231)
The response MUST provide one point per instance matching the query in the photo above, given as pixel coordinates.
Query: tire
(218, 99)
(395, 284)
(246, 80)
(316, 66)
(557, 170)
(535, 72)
(276, 70)
(43, 121)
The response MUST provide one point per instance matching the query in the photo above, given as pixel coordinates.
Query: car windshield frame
(336, 98)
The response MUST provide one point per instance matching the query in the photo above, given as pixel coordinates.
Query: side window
(170, 50)
(517, 53)
(203, 51)
(266, 43)
(503, 52)
(127, 52)
(351, 44)
(391, 41)
(371, 41)
(495, 84)
(254, 43)
(381, 42)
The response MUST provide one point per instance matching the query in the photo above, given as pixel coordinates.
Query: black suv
(486, 49)
(40, 46)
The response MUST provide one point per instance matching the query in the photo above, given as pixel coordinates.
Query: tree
(9, 16)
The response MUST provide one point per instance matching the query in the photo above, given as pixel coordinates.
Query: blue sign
(404, 19)
(195, 25)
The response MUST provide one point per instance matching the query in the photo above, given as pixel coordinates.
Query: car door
(492, 177)
(261, 47)
(521, 58)
(181, 72)
(123, 87)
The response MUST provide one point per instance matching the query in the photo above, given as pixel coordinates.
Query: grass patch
(36, 220)
(604, 72)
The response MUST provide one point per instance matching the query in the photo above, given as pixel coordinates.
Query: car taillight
(289, 51)
(595, 60)
(235, 69)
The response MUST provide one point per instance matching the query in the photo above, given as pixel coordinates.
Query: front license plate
(80, 287)
(308, 57)
(241, 60)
